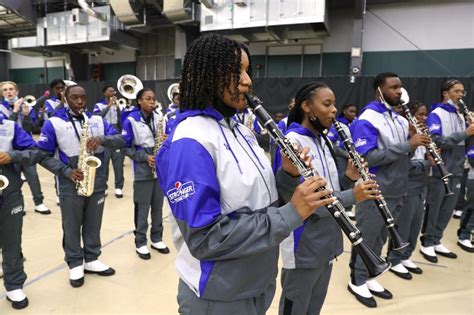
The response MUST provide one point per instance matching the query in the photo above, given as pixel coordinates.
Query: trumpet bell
(128, 85)
(30, 100)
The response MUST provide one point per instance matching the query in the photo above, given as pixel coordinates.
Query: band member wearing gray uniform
(62, 136)
(226, 225)
(141, 131)
(110, 112)
(13, 141)
(381, 136)
(448, 129)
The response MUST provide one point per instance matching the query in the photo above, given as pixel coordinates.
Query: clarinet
(467, 113)
(433, 150)
(396, 239)
(374, 264)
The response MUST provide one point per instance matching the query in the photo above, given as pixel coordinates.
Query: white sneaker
(118, 193)
(16, 295)
(399, 268)
(457, 214)
(143, 250)
(409, 264)
(441, 249)
(76, 273)
(23, 178)
(42, 209)
(1, 272)
(373, 285)
(96, 266)
(362, 290)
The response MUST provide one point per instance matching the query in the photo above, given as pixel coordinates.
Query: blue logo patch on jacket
(180, 191)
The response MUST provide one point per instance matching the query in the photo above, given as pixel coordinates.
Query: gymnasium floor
(149, 287)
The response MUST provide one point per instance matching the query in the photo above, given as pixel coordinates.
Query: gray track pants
(11, 223)
(374, 232)
(304, 290)
(439, 209)
(467, 219)
(31, 175)
(117, 163)
(81, 216)
(408, 226)
(147, 194)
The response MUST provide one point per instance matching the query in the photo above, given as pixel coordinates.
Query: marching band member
(15, 109)
(449, 132)
(381, 137)
(140, 131)
(466, 225)
(411, 215)
(81, 216)
(309, 252)
(110, 112)
(224, 223)
(13, 141)
(57, 101)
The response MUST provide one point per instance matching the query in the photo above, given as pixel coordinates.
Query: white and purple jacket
(448, 129)
(59, 137)
(319, 240)
(222, 192)
(381, 137)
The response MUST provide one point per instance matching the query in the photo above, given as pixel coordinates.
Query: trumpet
(432, 148)
(29, 100)
(128, 85)
(121, 102)
(4, 182)
(374, 264)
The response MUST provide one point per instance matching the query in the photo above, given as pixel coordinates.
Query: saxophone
(159, 133)
(87, 163)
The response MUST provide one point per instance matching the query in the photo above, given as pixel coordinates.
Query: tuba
(173, 88)
(69, 83)
(128, 85)
(87, 163)
(4, 182)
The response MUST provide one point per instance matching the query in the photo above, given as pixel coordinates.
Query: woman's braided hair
(211, 63)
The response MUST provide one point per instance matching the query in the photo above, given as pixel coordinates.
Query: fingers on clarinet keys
(306, 198)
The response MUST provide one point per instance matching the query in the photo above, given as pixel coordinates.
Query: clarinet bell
(396, 240)
(445, 175)
(447, 187)
(374, 264)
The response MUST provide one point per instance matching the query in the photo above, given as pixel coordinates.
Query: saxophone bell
(4, 182)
